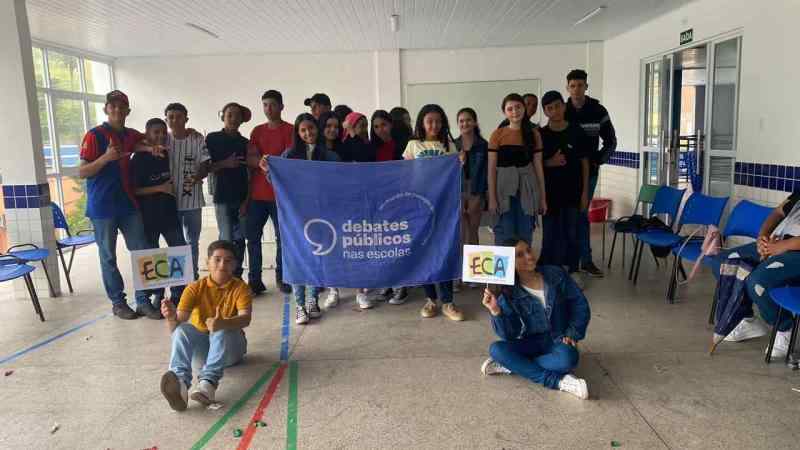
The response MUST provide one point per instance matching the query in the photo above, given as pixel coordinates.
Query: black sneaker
(284, 288)
(257, 287)
(312, 308)
(592, 270)
(124, 312)
(146, 309)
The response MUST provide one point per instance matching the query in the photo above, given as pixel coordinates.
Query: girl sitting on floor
(540, 321)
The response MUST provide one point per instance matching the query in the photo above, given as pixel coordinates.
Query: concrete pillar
(26, 194)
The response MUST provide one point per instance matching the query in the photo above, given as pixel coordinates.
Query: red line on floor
(250, 432)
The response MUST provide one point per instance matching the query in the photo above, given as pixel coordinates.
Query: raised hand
(557, 160)
(214, 323)
(490, 302)
(168, 309)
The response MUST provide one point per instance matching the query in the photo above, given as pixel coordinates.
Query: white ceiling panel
(156, 27)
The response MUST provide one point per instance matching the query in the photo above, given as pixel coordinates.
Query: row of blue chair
(15, 263)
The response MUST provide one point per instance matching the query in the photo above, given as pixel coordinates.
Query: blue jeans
(445, 291)
(220, 349)
(191, 222)
(153, 230)
(105, 232)
(584, 227)
(301, 292)
(231, 228)
(785, 270)
(513, 223)
(258, 212)
(559, 238)
(536, 358)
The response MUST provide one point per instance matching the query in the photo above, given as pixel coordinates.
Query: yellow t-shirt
(426, 149)
(202, 297)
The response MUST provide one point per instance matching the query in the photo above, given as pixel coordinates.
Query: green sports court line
(291, 419)
(235, 408)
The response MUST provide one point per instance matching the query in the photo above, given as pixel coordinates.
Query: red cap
(117, 96)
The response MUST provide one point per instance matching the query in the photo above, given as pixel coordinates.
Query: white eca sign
(488, 264)
(162, 267)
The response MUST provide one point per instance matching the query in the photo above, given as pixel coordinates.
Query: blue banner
(369, 225)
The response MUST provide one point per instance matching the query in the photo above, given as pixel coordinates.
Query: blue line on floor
(285, 329)
(51, 339)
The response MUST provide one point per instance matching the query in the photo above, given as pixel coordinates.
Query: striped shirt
(186, 155)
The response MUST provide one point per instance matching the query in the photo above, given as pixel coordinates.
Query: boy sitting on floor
(209, 322)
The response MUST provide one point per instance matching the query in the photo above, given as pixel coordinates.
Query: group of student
(150, 186)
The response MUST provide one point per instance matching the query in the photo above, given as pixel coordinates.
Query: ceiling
(155, 27)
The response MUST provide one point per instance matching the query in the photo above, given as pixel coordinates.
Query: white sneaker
(382, 295)
(174, 391)
(332, 300)
(204, 393)
(577, 277)
(312, 308)
(575, 386)
(491, 367)
(748, 328)
(301, 316)
(781, 346)
(363, 301)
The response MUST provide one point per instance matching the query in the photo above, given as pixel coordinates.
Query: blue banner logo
(369, 225)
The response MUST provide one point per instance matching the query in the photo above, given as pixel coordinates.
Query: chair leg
(49, 281)
(681, 269)
(790, 350)
(34, 298)
(604, 241)
(658, 264)
(611, 254)
(713, 311)
(638, 263)
(772, 335)
(66, 271)
(673, 281)
(633, 258)
(624, 250)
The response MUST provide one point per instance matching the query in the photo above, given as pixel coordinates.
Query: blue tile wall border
(20, 196)
(767, 176)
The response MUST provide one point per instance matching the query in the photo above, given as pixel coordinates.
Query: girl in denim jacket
(540, 322)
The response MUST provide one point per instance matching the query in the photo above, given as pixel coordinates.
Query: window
(71, 92)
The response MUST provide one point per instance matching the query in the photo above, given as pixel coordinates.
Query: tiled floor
(388, 379)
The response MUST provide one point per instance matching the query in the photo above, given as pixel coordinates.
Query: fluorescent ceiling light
(590, 15)
(202, 30)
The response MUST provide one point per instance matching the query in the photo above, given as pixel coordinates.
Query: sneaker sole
(201, 398)
(745, 337)
(315, 315)
(171, 390)
(428, 315)
(594, 275)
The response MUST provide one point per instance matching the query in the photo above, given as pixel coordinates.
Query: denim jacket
(476, 165)
(565, 314)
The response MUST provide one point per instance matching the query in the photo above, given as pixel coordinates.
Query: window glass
(98, 77)
(64, 71)
(69, 125)
(44, 123)
(96, 114)
(38, 66)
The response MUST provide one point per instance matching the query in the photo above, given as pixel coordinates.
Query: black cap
(550, 97)
(320, 98)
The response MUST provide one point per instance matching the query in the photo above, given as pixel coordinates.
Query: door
(722, 117)
(658, 165)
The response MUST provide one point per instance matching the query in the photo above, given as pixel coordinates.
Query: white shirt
(186, 155)
(538, 293)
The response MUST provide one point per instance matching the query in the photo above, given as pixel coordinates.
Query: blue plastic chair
(667, 201)
(699, 210)
(788, 300)
(12, 268)
(33, 254)
(745, 220)
(71, 241)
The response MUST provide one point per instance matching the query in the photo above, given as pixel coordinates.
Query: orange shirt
(203, 297)
(269, 141)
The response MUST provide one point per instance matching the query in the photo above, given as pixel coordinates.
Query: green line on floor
(291, 421)
(235, 408)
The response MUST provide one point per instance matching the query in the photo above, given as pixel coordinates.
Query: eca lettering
(161, 266)
(488, 264)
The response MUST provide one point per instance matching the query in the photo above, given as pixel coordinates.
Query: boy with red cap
(111, 203)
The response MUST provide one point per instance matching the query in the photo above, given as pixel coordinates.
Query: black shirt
(231, 184)
(563, 184)
(595, 121)
(355, 149)
(149, 171)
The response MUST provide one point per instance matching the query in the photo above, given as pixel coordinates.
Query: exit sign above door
(687, 36)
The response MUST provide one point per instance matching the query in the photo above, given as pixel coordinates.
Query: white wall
(548, 63)
(767, 126)
(206, 83)
(363, 80)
